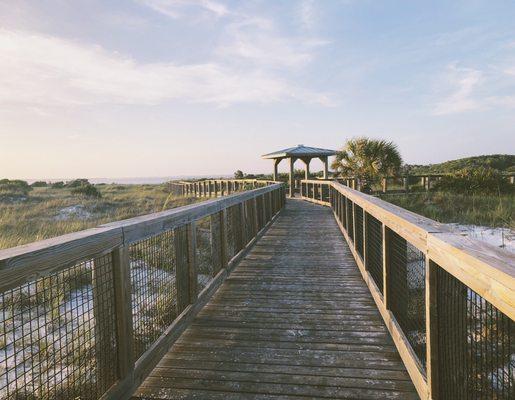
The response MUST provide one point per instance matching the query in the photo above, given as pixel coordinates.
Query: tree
(238, 175)
(367, 160)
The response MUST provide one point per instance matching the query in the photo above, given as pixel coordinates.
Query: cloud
(462, 83)
(307, 14)
(258, 41)
(40, 70)
(470, 89)
(179, 8)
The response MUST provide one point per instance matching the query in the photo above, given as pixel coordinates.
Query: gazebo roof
(300, 151)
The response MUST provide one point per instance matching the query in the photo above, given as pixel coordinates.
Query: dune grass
(485, 210)
(48, 212)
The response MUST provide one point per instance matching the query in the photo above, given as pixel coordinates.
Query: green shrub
(14, 187)
(77, 183)
(39, 184)
(57, 185)
(87, 190)
(474, 180)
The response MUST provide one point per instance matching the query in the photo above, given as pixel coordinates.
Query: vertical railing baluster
(431, 329)
(123, 312)
(386, 265)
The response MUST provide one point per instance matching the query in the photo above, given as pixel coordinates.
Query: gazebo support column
(325, 160)
(306, 171)
(292, 177)
(276, 165)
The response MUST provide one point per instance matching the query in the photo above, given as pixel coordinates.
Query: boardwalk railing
(217, 187)
(87, 315)
(448, 301)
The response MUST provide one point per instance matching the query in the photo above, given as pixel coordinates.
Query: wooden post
(325, 160)
(123, 311)
(292, 177)
(406, 183)
(224, 239)
(276, 167)
(222, 188)
(385, 184)
(256, 217)
(431, 329)
(386, 263)
(216, 241)
(354, 224)
(103, 290)
(182, 280)
(192, 260)
(306, 171)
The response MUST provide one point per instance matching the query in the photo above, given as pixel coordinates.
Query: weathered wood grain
(293, 320)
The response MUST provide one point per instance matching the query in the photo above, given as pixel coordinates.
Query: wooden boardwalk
(294, 320)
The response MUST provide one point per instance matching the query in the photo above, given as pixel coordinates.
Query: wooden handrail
(105, 254)
(481, 267)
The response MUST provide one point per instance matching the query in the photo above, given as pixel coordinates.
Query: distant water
(136, 180)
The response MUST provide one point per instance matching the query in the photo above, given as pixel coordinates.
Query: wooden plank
(291, 320)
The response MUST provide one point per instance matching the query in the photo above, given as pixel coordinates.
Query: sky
(135, 88)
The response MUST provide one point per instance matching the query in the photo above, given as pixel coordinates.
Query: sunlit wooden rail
(88, 315)
(448, 301)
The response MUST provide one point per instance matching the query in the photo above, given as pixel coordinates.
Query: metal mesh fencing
(205, 264)
(325, 193)
(234, 230)
(58, 334)
(406, 291)
(476, 344)
(358, 221)
(154, 290)
(350, 219)
(248, 224)
(374, 250)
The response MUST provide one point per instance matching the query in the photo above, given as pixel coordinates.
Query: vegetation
(474, 180)
(28, 214)
(239, 175)
(446, 207)
(87, 190)
(368, 160)
(500, 162)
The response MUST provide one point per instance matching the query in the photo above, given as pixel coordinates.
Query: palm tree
(367, 160)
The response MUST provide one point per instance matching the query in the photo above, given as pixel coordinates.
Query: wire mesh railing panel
(476, 344)
(406, 291)
(58, 334)
(374, 250)
(152, 265)
(234, 229)
(358, 222)
(350, 219)
(249, 221)
(205, 264)
(325, 193)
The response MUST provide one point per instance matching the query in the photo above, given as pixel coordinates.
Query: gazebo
(304, 153)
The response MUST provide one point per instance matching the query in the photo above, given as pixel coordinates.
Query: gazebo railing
(87, 315)
(448, 301)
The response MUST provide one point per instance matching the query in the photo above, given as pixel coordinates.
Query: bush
(57, 185)
(77, 183)
(14, 187)
(87, 190)
(474, 180)
(39, 184)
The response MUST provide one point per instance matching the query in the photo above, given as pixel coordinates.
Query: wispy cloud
(461, 82)
(179, 8)
(307, 14)
(465, 89)
(257, 40)
(45, 70)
